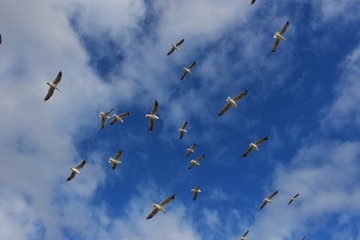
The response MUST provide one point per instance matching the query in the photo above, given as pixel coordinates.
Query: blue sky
(113, 55)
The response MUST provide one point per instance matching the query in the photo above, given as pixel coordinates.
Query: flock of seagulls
(231, 102)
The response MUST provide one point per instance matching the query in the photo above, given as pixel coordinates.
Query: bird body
(231, 102)
(190, 150)
(119, 118)
(196, 162)
(160, 207)
(255, 146)
(279, 36)
(116, 160)
(75, 170)
(152, 116)
(104, 117)
(53, 86)
(268, 199)
(293, 198)
(183, 129)
(187, 70)
(175, 46)
(196, 191)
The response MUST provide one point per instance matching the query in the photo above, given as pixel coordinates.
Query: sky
(112, 54)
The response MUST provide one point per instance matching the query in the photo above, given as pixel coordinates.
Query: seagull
(160, 207)
(183, 129)
(187, 70)
(196, 162)
(268, 199)
(175, 46)
(254, 146)
(104, 117)
(152, 116)
(252, 2)
(196, 192)
(76, 170)
(116, 160)
(231, 102)
(279, 36)
(119, 118)
(293, 198)
(244, 236)
(53, 86)
(190, 150)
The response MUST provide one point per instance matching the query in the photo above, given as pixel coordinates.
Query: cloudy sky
(112, 54)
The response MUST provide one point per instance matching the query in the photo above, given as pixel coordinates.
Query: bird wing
(296, 195)
(81, 165)
(103, 120)
(273, 195)
(252, 2)
(184, 75)
(180, 42)
(124, 114)
(247, 152)
(113, 121)
(193, 146)
(240, 96)
(261, 140)
(151, 124)
(245, 233)
(109, 112)
(191, 166)
(181, 135)
(114, 165)
(118, 155)
(185, 125)
(225, 109)
(72, 175)
(58, 78)
(276, 44)
(153, 213)
(49, 93)
(171, 51)
(263, 204)
(283, 30)
(155, 107)
(195, 195)
(191, 65)
(166, 201)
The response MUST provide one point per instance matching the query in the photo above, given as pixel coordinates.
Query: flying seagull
(175, 46)
(116, 160)
(76, 170)
(104, 117)
(190, 150)
(252, 2)
(254, 146)
(53, 86)
(293, 198)
(231, 102)
(119, 118)
(183, 129)
(268, 199)
(187, 70)
(160, 207)
(152, 116)
(244, 236)
(196, 192)
(196, 162)
(279, 36)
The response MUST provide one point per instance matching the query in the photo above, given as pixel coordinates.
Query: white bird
(116, 160)
(175, 46)
(152, 116)
(268, 199)
(279, 36)
(119, 118)
(183, 129)
(76, 170)
(244, 236)
(196, 162)
(190, 150)
(254, 146)
(196, 192)
(160, 207)
(293, 198)
(231, 102)
(53, 86)
(187, 70)
(104, 117)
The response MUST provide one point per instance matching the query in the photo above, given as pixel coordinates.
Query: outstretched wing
(185, 125)
(273, 195)
(225, 109)
(49, 93)
(180, 42)
(199, 158)
(81, 165)
(184, 75)
(151, 124)
(109, 112)
(113, 121)
(245, 233)
(191, 65)
(247, 152)
(276, 44)
(283, 30)
(58, 78)
(252, 2)
(124, 114)
(262, 140)
(155, 107)
(240, 96)
(263, 204)
(72, 175)
(153, 213)
(103, 120)
(118, 155)
(166, 201)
